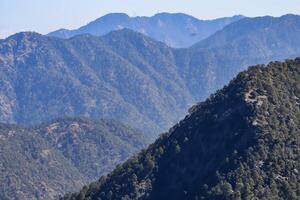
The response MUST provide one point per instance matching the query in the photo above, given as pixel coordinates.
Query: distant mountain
(130, 77)
(46, 161)
(176, 30)
(114, 77)
(211, 63)
(253, 29)
(242, 143)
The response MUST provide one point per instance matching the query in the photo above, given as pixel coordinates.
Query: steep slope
(246, 42)
(93, 147)
(176, 30)
(253, 29)
(30, 168)
(242, 143)
(46, 161)
(44, 78)
(130, 77)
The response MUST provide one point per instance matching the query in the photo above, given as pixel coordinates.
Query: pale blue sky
(44, 16)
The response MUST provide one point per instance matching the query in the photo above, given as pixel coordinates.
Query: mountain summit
(241, 143)
(176, 30)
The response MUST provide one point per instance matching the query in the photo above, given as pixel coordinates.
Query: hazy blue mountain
(63, 155)
(130, 77)
(44, 78)
(176, 30)
(211, 63)
(242, 143)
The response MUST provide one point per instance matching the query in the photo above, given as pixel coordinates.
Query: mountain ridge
(241, 143)
(65, 60)
(128, 76)
(193, 29)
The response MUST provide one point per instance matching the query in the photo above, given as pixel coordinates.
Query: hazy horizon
(50, 15)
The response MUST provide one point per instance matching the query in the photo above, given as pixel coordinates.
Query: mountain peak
(26, 34)
(111, 18)
(124, 31)
(166, 14)
(290, 15)
(25, 40)
(115, 15)
(129, 35)
(174, 29)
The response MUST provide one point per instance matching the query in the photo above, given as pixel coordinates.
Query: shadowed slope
(242, 143)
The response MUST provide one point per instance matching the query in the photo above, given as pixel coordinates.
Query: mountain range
(241, 143)
(44, 78)
(174, 29)
(128, 76)
(46, 161)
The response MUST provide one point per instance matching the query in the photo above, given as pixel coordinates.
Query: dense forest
(241, 143)
(61, 156)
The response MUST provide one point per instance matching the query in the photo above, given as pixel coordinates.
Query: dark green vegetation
(47, 161)
(129, 77)
(241, 143)
(30, 168)
(93, 147)
(176, 30)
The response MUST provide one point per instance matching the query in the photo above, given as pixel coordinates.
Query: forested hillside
(58, 157)
(241, 143)
(93, 147)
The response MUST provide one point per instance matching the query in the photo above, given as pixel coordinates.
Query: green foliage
(30, 168)
(59, 157)
(243, 144)
(83, 141)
